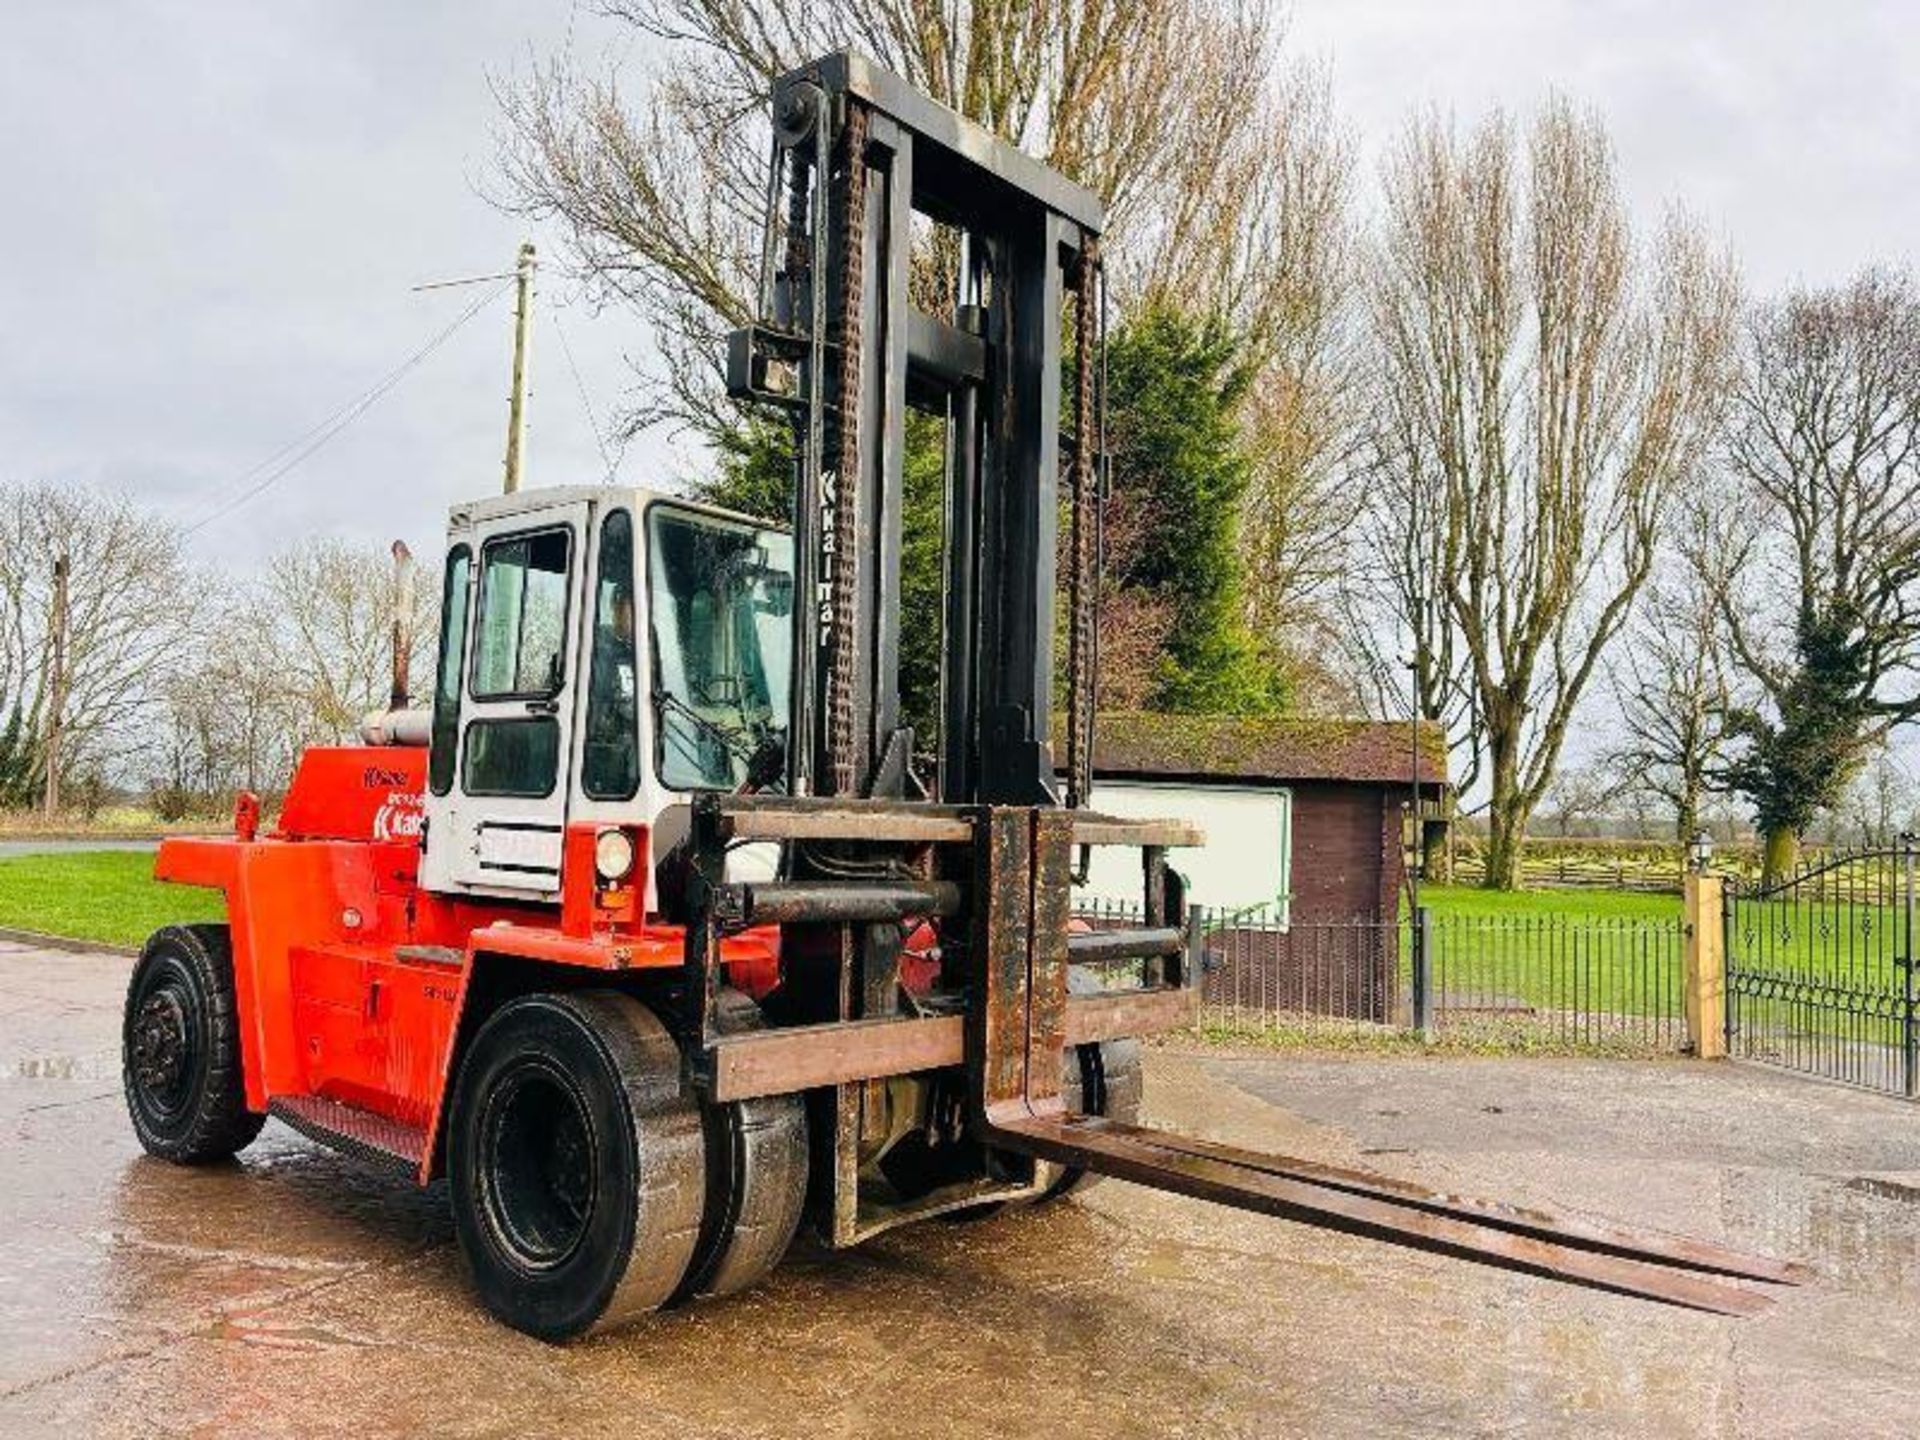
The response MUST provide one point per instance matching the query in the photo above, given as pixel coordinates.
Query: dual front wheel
(590, 1186)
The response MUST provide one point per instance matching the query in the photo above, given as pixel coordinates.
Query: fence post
(1423, 972)
(1909, 1033)
(1706, 965)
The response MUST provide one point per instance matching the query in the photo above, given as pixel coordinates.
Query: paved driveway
(29, 845)
(291, 1293)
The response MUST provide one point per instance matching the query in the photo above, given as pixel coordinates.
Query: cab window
(610, 762)
(719, 601)
(520, 648)
(453, 656)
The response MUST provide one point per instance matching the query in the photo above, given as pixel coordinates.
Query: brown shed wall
(1346, 851)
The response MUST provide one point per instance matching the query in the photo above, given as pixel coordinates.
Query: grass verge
(105, 895)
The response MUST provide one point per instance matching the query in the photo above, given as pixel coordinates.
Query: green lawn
(107, 895)
(1564, 954)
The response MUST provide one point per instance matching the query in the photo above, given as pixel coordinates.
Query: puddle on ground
(1841, 1227)
(61, 1067)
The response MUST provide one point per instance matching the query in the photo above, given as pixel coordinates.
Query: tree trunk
(1506, 811)
(1436, 852)
(1686, 820)
(1780, 854)
(1504, 842)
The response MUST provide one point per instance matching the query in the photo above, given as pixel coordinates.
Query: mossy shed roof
(1232, 747)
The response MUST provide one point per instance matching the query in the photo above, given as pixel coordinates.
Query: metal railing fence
(1522, 982)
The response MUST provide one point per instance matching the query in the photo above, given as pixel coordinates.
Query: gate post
(1706, 966)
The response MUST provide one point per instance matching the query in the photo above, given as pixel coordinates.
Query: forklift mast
(868, 179)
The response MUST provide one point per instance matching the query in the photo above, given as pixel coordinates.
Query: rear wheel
(180, 1049)
(576, 1160)
(756, 1178)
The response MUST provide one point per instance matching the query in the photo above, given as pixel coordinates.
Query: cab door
(510, 793)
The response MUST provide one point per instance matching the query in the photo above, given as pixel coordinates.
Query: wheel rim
(538, 1169)
(166, 1043)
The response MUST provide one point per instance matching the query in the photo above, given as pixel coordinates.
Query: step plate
(376, 1139)
(1682, 1272)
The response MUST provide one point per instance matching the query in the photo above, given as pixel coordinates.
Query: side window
(518, 758)
(610, 765)
(520, 649)
(453, 657)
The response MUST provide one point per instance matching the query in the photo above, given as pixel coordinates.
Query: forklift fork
(1016, 1033)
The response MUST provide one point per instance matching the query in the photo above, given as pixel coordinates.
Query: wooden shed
(1307, 825)
(1305, 815)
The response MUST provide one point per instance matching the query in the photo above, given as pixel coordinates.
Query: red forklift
(662, 931)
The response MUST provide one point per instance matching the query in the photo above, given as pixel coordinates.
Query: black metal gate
(1820, 974)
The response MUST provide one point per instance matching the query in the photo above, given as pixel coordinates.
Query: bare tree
(1551, 382)
(331, 609)
(1174, 111)
(1879, 804)
(233, 719)
(1670, 682)
(1402, 635)
(1578, 796)
(1301, 409)
(132, 605)
(1820, 601)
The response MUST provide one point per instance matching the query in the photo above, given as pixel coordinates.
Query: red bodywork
(354, 983)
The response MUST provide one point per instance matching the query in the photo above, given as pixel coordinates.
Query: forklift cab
(604, 655)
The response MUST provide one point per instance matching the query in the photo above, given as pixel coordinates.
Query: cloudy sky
(215, 212)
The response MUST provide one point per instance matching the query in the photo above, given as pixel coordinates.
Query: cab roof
(542, 498)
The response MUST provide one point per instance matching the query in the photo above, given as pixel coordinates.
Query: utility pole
(522, 334)
(56, 687)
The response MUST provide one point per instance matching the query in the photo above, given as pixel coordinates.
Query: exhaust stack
(398, 725)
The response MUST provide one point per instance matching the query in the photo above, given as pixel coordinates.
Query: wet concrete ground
(292, 1294)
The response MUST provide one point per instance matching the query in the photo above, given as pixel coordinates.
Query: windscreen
(720, 594)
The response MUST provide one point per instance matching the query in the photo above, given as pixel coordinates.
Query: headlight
(613, 856)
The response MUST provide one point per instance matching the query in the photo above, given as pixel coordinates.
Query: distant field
(106, 895)
(112, 822)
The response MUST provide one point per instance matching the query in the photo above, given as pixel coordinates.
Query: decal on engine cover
(401, 817)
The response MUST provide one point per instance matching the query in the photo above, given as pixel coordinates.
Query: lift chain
(1083, 495)
(841, 567)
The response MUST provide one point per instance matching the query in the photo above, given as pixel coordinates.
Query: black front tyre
(180, 1049)
(577, 1163)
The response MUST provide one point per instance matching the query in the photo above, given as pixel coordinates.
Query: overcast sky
(214, 213)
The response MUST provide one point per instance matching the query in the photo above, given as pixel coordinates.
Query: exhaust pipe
(402, 625)
(398, 725)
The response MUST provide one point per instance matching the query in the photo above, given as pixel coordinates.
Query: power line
(300, 449)
(586, 403)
